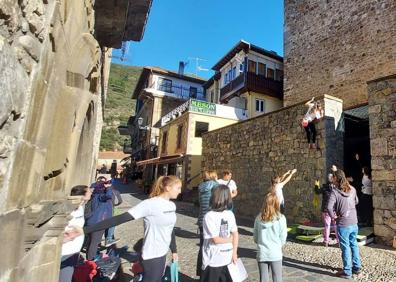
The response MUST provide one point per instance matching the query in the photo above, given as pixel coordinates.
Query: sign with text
(202, 107)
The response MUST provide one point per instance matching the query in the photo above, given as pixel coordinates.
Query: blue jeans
(348, 244)
(109, 234)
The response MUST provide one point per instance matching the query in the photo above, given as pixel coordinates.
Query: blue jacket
(101, 205)
(205, 194)
(270, 237)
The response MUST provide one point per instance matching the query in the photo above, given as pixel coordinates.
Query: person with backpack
(205, 193)
(270, 233)
(220, 237)
(159, 215)
(100, 208)
(109, 233)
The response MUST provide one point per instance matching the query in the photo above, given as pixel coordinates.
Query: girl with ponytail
(159, 216)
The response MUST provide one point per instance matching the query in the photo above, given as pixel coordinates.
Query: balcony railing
(253, 82)
(235, 84)
(179, 91)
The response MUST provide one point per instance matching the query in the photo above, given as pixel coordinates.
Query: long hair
(163, 182)
(271, 207)
(342, 181)
(210, 175)
(367, 171)
(221, 198)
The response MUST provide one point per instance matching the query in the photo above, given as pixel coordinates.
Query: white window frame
(260, 105)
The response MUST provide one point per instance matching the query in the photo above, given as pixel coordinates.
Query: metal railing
(181, 92)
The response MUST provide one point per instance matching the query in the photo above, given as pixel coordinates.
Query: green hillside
(119, 105)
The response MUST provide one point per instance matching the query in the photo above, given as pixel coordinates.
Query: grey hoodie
(343, 205)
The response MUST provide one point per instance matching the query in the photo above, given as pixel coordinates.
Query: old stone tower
(344, 54)
(54, 65)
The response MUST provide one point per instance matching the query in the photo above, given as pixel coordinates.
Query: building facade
(54, 66)
(180, 143)
(248, 77)
(157, 93)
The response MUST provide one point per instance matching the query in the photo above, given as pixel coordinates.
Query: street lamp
(140, 122)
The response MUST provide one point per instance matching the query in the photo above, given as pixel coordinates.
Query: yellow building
(247, 77)
(180, 143)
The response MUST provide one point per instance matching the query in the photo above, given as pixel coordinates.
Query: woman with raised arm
(277, 187)
(159, 215)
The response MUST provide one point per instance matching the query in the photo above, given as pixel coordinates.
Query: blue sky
(178, 30)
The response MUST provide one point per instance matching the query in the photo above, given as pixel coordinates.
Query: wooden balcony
(253, 82)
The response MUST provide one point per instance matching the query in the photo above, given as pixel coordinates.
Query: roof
(113, 155)
(245, 46)
(360, 113)
(148, 70)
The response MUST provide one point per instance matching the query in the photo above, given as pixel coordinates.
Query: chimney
(181, 68)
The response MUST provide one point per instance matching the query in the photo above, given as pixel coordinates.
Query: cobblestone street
(294, 268)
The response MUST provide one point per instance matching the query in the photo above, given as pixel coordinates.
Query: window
(261, 69)
(212, 97)
(164, 141)
(230, 75)
(251, 66)
(179, 136)
(278, 75)
(200, 128)
(164, 84)
(259, 106)
(270, 73)
(193, 92)
(241, 67)
(226, 79)
(233, 72)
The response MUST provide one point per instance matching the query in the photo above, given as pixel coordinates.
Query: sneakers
(342, 274)
(356, 271)
(111, 242)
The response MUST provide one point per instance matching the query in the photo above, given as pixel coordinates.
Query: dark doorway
(357, 153)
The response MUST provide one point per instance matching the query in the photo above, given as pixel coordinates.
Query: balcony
(253, 82)
(177, 91)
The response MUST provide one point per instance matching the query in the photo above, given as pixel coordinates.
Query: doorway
(357, 155)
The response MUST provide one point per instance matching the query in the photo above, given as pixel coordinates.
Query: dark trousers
(67, 267)
(199, 259)
(93, 241)
(216, 274)
(366, 208)
(310, 129)
(154, 269)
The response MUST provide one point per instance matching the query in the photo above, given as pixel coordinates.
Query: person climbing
(314, 113)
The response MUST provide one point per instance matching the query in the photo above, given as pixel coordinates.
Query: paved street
(187, 242)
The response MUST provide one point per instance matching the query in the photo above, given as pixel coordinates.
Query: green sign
(202, 107)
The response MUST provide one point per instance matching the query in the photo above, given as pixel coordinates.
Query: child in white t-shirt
(220, 237)
(277, 187)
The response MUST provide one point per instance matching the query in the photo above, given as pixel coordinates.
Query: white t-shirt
(231, 184)
(74, 246)
(279, 193)
(159, 217)
(217, 224)
(367, 187)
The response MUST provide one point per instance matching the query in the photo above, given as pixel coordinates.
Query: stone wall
(52, 76)
(382, 111)
(260, 148)
(334, 46)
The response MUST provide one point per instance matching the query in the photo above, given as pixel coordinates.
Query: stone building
(54, 65)
(345, 49)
